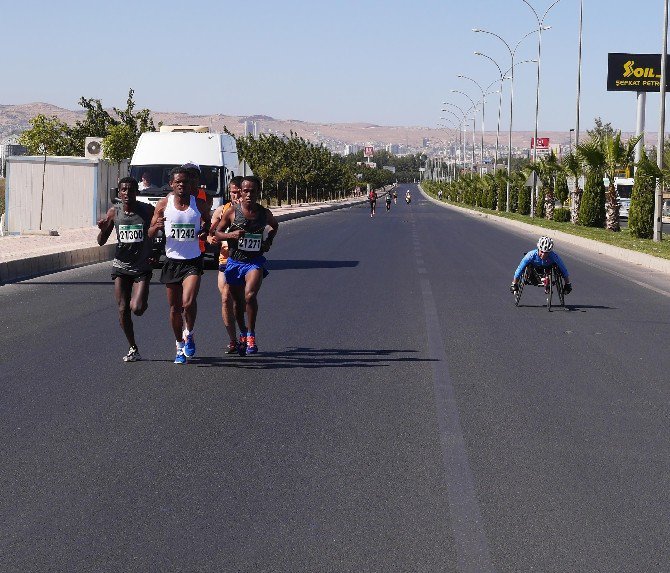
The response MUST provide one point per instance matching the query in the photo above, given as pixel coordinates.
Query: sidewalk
(26, 256)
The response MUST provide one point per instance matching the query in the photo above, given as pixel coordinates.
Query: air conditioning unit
(93, 148)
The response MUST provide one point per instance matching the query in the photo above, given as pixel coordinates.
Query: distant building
(393, 148)
(7, 150)
(351, 149)
(426, 141)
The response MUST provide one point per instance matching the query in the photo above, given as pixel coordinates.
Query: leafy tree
(119, 143)
(47, 136)
(600, 129)
(62, 139)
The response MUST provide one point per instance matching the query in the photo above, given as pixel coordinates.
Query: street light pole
(658, 204)
(512, 53)
(540, 28)
(500, 92)
(464, 118)
(474, 126)
(484, 94)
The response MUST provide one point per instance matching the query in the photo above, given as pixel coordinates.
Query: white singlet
(181, 230)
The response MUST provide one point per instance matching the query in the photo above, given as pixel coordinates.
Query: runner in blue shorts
(249, 229)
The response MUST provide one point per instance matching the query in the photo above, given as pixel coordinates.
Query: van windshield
(154, 180)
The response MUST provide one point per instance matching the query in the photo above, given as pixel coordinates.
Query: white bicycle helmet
(545, 244)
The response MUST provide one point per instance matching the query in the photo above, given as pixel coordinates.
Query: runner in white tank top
(180, 215)
(181, 230)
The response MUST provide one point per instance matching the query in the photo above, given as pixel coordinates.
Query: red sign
(542, 143)
(369, 151)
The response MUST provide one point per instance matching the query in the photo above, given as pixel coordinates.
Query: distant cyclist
(395, 197)
(540, 261)
(408, 197)
(388, 201)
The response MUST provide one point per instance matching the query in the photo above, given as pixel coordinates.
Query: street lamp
(540, 28)
(512, 53)
(484, 94)
(500, 92)
(658, 203)
(464, 124)
(474, 109)
(571, 130)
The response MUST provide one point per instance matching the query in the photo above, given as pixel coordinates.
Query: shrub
(592, 206)
(562, 215)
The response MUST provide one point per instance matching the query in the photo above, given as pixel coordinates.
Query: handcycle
(551, 279)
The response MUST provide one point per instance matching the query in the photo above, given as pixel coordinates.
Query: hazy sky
(390, 62)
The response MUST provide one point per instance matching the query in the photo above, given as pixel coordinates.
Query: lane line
(472, 548)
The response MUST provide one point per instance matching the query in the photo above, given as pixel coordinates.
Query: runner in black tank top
(131, 268)
(246, 230)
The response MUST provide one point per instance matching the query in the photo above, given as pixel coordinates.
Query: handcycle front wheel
(520, 284)
(559, 282)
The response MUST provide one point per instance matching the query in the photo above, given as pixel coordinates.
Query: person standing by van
(131, 267)
(185, 220)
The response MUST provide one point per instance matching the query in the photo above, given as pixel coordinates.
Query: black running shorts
(176, 270)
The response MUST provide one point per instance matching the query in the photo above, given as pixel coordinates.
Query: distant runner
(372, 197)
(388, 201)
(131, 267)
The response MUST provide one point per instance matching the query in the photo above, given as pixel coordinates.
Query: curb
(21, 269)
(633, 257)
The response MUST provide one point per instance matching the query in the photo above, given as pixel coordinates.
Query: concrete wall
(76, 192)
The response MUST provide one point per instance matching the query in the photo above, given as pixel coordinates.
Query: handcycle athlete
(542, 267)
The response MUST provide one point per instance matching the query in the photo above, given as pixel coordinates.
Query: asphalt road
(402, 415)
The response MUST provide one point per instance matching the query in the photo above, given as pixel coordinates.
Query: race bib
(182, 232)
(131, 233)
(250, 242)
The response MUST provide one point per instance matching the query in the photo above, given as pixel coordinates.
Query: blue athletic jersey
(532, 258)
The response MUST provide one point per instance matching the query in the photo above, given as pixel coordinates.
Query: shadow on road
(288, 264)
(312, 358)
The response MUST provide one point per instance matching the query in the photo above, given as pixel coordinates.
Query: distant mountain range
(15, 118)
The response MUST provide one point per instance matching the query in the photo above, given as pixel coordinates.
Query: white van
(158, 152)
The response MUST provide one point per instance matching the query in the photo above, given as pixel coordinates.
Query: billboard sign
(542, 143)
(369, 151)
(634, 73)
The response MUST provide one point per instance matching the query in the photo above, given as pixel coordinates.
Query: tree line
(601, 158)
(120, 132)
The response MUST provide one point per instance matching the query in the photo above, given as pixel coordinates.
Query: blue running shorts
(235, 271)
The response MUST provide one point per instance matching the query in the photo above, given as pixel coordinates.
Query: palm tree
(592, 204)
(573, 167)
(546, 169)
(618, 156)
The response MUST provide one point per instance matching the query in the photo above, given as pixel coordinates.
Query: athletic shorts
(137, 277)
(176, 270)
(235, 271)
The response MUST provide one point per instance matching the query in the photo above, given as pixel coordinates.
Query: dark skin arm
(274, 224)
(226, 221)
(206, 216)
(106, 226)
(158, 219)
